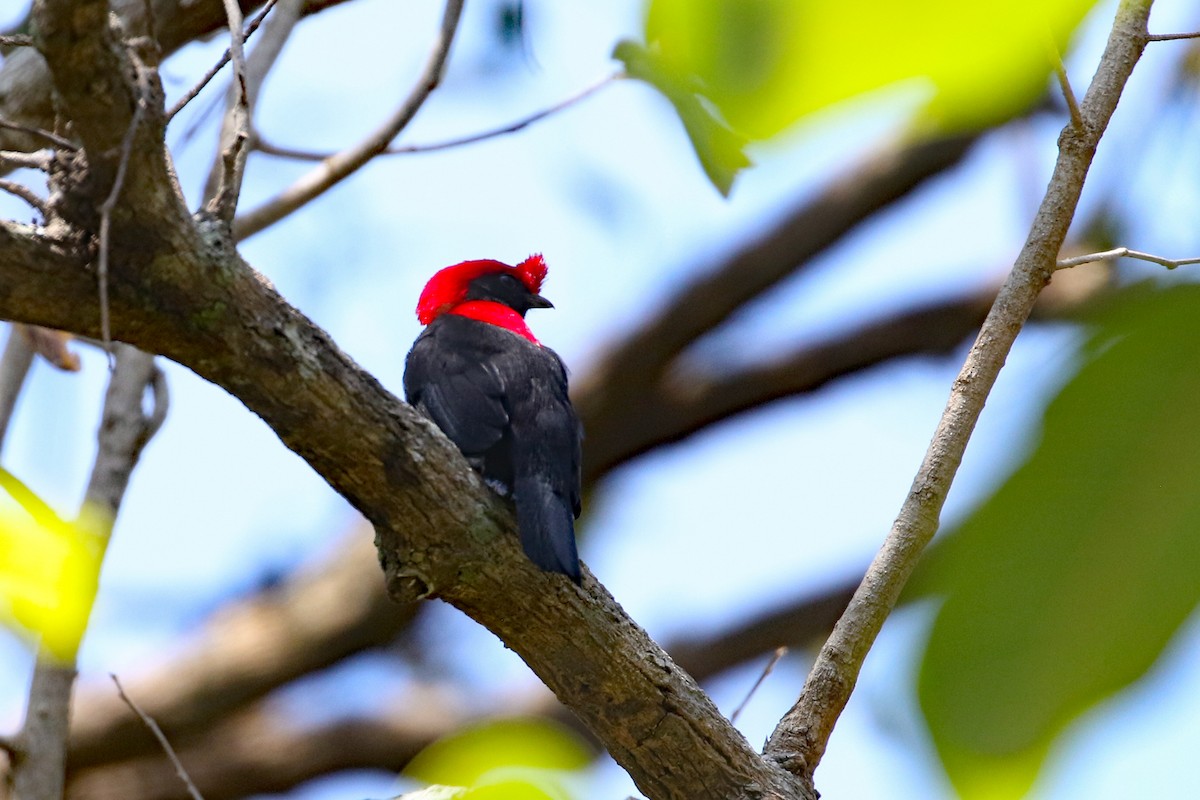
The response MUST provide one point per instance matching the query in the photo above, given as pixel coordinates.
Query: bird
(478, 372)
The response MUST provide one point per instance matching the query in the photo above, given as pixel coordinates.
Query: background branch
(336, 169)
(124, 430)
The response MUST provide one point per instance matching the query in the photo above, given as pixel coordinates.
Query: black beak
(537, 301)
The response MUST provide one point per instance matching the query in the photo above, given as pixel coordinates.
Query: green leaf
(1066, 585)
(719, 148)
(768, 63)
(49, 570)
(503, 759)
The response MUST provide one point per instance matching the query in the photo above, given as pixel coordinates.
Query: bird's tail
(547, 527)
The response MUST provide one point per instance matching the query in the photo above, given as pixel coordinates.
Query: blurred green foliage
(1069, 582)
(757, 67)
(49, 569)
(515, 759)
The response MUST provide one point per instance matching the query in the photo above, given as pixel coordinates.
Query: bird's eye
(509, 279)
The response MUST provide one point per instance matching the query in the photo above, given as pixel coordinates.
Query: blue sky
(758, 510)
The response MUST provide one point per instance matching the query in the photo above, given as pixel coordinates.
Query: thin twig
(779, 653)
(52, 138)
(225, 183)
(14, 368)
(1171, 37)
(190, 95)
(162, 739)
(1060, 70)
(1124, 252)
(110, 203)
(305, 155)
(16, 40)
(800, 739)
(335, 169)
(25, 193)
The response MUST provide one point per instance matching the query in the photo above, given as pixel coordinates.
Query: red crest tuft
(448, 287)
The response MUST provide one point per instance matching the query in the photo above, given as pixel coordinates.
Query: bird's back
(503, 400)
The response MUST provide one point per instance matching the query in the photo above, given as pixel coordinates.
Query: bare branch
(779, 653)
(110, 202)
(251, 648)
(162, 740)
(1064, 82)
(123, 433)
(48, 136)
(13, 159)
(261, 751)
(800, 739)
(303, 155)
(1171, 37)
(613, 388)
(225, 58)
(14, 368)
(1125, 252)
(39, 772)
(25, 193)
(337, 168)
(689, 399)
(16, 40)
(225, 180)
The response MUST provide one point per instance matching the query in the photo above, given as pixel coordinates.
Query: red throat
(496, 314)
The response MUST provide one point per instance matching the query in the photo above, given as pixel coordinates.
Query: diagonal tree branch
(800, 739)
(689, 399)
(258, 749)
(180, 289)
(124, 431)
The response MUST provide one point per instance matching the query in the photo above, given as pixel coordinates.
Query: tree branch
(14, 369)
(192, 93)
(304, 625)
(336, 169)
(303, 155)
(124, 430)
(612, 390)
(800, 739)
(1124, 252)
(688, 399)
(225, 180)
(258, 750)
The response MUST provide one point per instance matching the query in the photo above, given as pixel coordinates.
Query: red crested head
(448, 287)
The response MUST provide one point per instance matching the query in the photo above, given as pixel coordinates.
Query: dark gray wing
(462, 395)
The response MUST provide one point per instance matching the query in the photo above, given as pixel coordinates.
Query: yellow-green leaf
(502, 757)
(720, 149)
(767, 63)
(49, 570)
